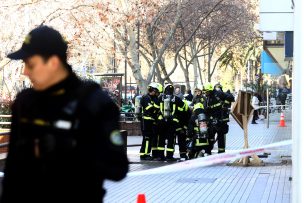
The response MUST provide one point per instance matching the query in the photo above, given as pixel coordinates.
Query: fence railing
(128, 116)
(6, 133)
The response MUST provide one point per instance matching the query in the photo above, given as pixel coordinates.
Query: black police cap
(42, 40)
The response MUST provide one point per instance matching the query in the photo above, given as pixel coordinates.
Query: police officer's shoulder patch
(27, 39)
(116, 138)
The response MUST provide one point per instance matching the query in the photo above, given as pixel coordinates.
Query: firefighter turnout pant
(221, 129)
(167, 130)
(181, 137)
(147, 128)
(156, 152)
(198, 145)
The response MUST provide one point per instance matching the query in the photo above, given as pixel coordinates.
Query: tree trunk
(195, 65)
(164, 71)
(199, 71)
(209, 63)
(187, 80)
(136, 69)
(186, 72)
(166, 42)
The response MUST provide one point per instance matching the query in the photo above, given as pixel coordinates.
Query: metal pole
(138, 42)
(131, 89)
(126, 66)
(267, 108)
(114, 55)
(297, 105)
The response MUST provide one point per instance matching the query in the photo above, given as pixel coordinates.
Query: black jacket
(148, 106)
(197, 99)
(64, 143)
(189, 97)
(214, 103)
(176, 106)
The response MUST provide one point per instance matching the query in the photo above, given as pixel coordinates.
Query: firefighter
(198, 95)
(149, 115)
(197, 132)
(226, 105)
(214, 109)
(155, 140)
(168, 122)
(184, 115)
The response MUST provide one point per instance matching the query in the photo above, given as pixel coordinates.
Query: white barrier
(209, 160)
(261, 107)
(205, 161)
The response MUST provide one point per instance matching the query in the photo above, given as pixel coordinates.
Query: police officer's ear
(54, 63)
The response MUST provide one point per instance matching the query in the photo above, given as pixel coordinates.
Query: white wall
(276, 15)
(276, 6)
(297, 107)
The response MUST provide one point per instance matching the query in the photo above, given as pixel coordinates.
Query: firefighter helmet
(160, 88)
(208, 87)
(153, 86)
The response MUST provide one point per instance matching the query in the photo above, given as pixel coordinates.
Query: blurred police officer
(65, 138)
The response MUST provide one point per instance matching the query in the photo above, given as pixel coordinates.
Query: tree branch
(24, 4)
(166, 43)
(221, 57)
(190, 37)
(63, 9)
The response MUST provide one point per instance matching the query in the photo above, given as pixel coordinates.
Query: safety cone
(282, 121)
(141, 198)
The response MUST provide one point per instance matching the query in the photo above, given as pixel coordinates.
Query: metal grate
(197, 180)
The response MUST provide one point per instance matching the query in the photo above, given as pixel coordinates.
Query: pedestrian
(283, 96)
(179, 93)
(255, 104)
(65, 138)
(116, 98)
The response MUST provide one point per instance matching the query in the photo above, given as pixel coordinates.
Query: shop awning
(269, 66)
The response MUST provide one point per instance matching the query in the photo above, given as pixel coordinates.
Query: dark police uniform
(64, 143)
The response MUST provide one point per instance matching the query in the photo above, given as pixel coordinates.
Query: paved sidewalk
(217, 183)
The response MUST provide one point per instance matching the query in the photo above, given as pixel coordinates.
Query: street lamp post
(126, 66)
